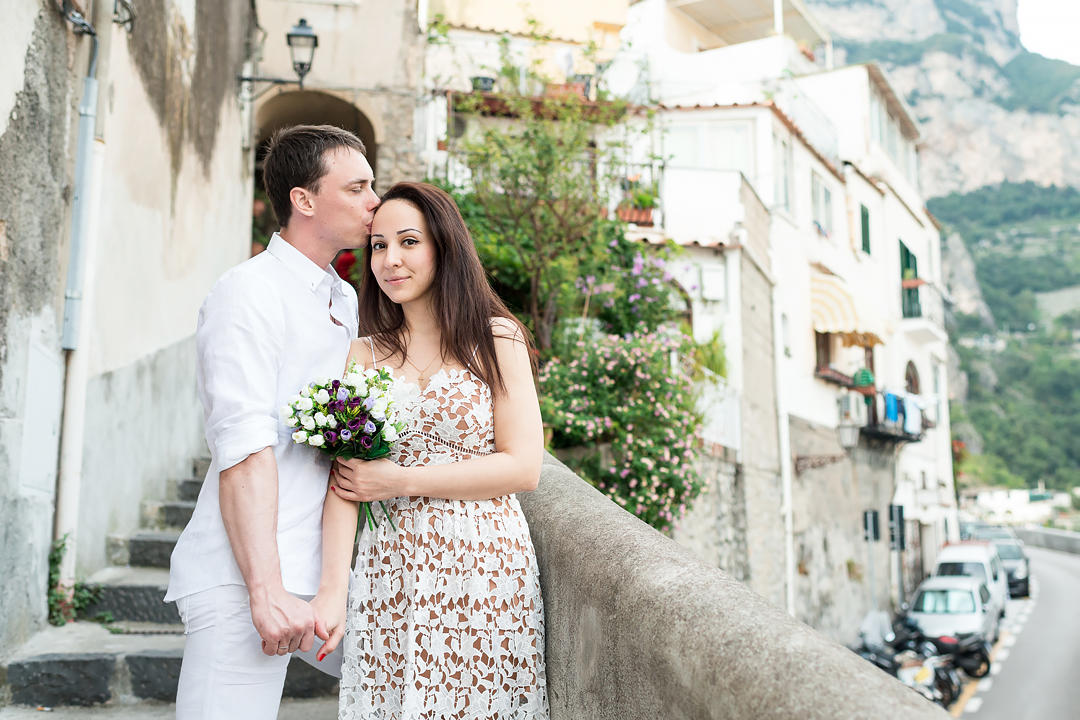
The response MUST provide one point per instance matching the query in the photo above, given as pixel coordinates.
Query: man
(249, 559)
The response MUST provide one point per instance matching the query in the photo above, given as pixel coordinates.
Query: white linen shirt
(264, 331)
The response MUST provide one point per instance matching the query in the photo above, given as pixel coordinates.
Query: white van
(979, 560)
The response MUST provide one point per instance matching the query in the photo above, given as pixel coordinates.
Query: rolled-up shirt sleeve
(240, 341)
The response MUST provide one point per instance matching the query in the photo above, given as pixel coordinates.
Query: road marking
(974, 705)
(972, 686)
(1009, 640)
(1002, 655)
(995, 669)
(985, 684)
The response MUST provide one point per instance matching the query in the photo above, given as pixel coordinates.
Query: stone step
(85, 664)
(200, 467)
(183, 490)
(321, 708)
(133, 594)
(152, 548)
(167, 514)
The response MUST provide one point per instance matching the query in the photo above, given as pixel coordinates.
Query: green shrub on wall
(626, 404)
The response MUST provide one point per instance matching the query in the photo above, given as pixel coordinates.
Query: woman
(444, 618)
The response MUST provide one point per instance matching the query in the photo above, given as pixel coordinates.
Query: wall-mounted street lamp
(848, 433)
(302, 42)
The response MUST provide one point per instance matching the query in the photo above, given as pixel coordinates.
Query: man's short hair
(296, 157)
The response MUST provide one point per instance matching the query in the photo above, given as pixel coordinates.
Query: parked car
(991, 533)
(979, 560)
(957, 606)
(1017, 566)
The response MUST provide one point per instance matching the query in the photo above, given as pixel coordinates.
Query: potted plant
(638, 205)
(482, 83)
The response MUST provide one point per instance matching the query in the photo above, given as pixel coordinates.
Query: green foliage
(710, 355)
(1030, 420)
(624, 401)
(989, 470)
(989, 208)
(543, 200)
(1040, 84)
(64, 607)
(1075, 500)
(900, 52)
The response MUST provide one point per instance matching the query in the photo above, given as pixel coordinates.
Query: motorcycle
(907, 656)
(971, 653)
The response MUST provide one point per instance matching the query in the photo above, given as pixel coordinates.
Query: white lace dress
(445, 617)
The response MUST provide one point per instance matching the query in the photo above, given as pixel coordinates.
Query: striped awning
(833, 310)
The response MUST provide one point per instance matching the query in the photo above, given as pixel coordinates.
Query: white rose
(300, 436)
(316, 441)
(331, 421)
(305, 404)
(308, 422)
(354, 379)
(320, 420)
(389, 433)
(305, 391)
(322, 397)
(369, 373)
(379, 411)
(286, 412)
(292, 422)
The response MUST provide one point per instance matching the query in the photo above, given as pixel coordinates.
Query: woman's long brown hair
(461, 297)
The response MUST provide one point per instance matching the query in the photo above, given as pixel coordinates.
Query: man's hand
(284, 622)
(367, 480)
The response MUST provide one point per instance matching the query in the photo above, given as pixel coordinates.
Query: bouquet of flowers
(353, 417)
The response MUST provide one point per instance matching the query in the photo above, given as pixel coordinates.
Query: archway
(294, 108)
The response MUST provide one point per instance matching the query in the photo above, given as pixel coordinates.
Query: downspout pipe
(88, 162)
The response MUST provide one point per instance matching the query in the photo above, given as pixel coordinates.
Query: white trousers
(225, 675)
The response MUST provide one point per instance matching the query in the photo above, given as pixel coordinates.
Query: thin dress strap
(371, 344)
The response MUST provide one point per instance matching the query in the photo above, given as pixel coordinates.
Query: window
(821, 203)
(944, 602)
(783, 162)
(712, 145)
(984, 594)
(909, 270)
(973, 569)
(785, 334)
(824, 349)
(864, 213)
(911, 378)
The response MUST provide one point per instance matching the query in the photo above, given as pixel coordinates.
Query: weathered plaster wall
(832, 582)
(174, 215)
(36, 107)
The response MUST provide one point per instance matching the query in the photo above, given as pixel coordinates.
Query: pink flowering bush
(619, 399)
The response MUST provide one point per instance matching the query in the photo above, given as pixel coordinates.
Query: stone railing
(1062, 540)
(638, 629)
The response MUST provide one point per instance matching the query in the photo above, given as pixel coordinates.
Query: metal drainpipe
(88, 163)
(784, 441)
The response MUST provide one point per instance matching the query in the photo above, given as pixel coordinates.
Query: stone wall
(35, 141)
(637, 629)
(714, 528)
(833, 586)
(760, 431)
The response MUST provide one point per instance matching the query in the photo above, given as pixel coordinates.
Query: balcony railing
(895, 418)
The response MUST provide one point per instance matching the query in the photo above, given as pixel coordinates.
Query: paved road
(1035, 674)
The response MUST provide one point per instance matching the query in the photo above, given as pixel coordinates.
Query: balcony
(896, 419)
(923, 309)
(740, 21)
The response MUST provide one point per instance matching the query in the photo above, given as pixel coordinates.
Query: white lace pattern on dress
(445, 617)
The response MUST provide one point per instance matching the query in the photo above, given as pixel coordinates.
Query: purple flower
(369, 427)
(354, 402)
(354, 424)
(345, 435)
(369, 403)
(365, 442)
(342, 393)
(336, 384)
(633, 298)
(331, 437)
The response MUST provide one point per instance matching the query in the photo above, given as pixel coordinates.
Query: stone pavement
(291, 709)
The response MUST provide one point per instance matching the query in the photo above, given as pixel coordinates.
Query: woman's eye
(378, 246)
(410, 241)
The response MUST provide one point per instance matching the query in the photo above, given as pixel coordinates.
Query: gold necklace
(423, 376)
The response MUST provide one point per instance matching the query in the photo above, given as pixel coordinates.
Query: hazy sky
(1051, 28)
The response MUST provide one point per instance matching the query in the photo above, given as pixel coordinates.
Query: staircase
(134, 654)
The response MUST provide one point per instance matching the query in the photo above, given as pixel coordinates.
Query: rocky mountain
(989, 109)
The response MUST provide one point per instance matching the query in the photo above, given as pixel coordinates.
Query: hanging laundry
(912, 415)
(892, 407)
